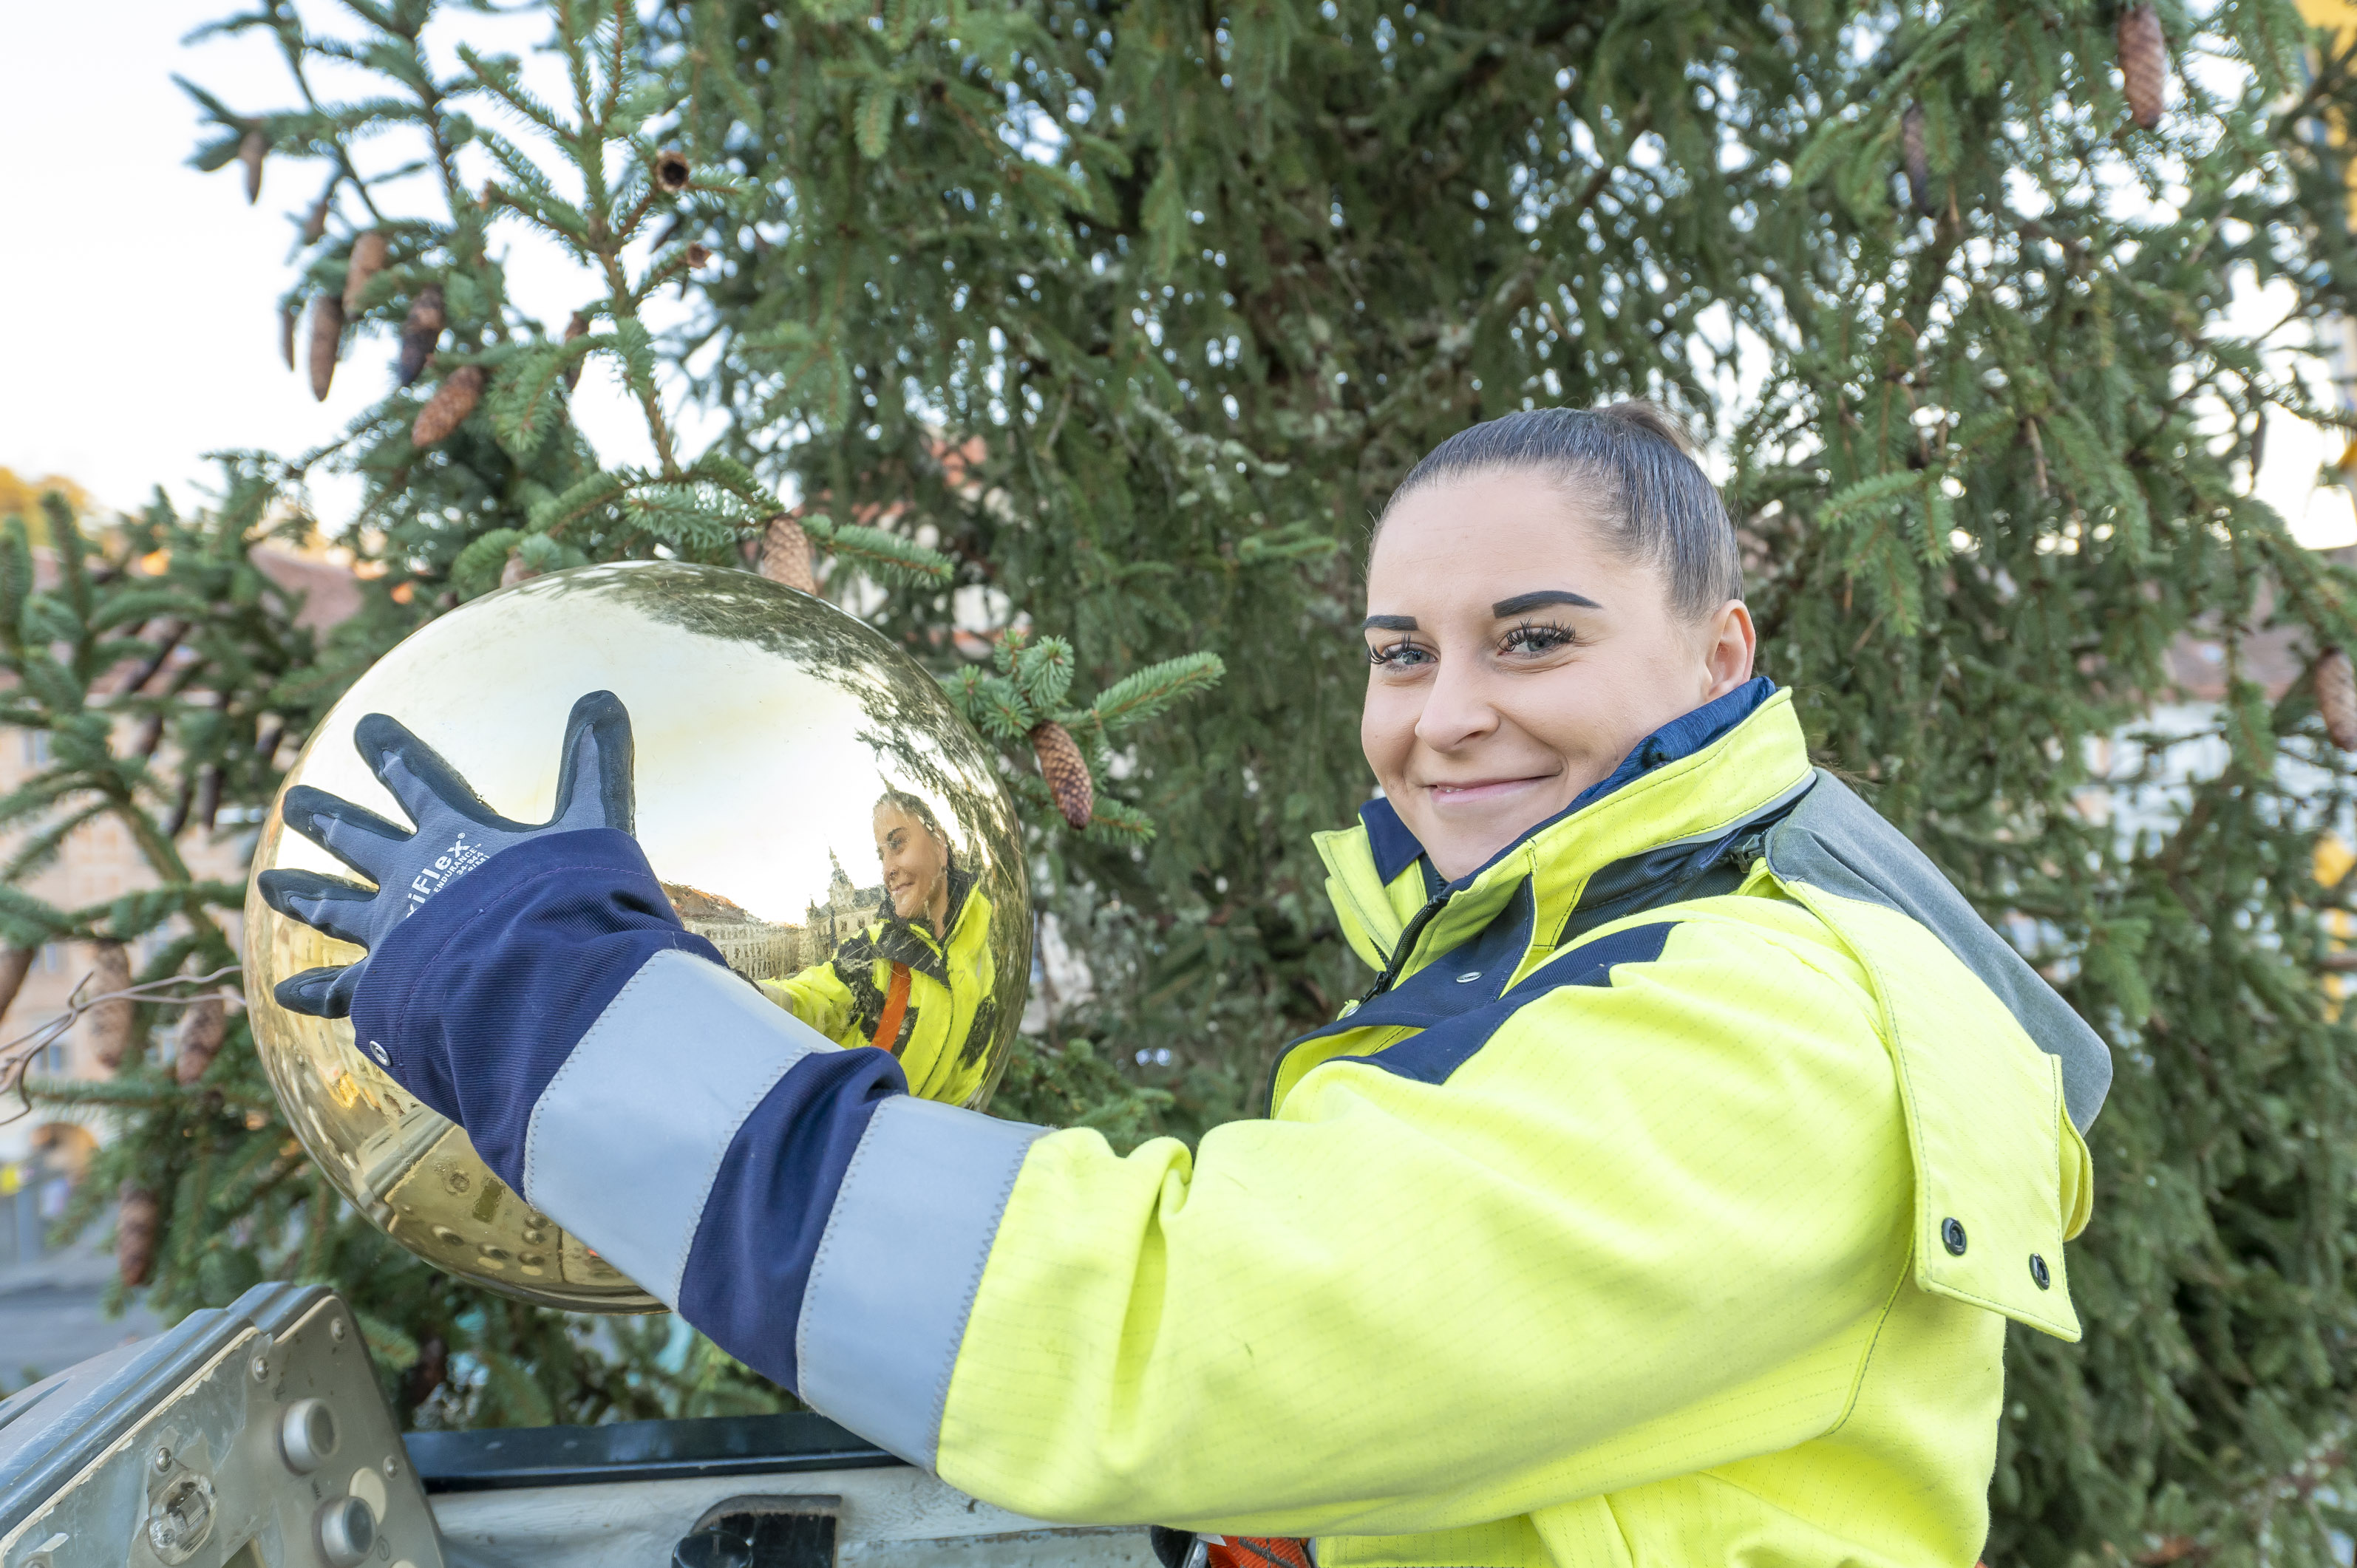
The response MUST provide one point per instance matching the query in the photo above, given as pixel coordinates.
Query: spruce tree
(1109, 324)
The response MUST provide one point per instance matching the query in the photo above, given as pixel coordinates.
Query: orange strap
(887, 1027)
(1255, 1551)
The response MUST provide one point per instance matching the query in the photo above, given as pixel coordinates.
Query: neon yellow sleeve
(818, 997)
(1639, 1228)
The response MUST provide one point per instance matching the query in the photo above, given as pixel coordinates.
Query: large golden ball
(809, 797)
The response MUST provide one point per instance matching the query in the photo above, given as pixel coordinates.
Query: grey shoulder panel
(1835, 841)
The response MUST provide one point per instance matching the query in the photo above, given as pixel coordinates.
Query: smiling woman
(1546, 590)
(1664, 1198)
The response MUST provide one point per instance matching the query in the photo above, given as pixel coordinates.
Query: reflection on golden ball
(810, 799)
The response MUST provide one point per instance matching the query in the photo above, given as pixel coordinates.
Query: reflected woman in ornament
(918, 981)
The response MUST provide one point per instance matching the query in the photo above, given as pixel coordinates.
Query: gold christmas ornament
(447, 409)
(783, 749)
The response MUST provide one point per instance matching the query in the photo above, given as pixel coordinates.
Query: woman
(1664, 1200)
(919, 982)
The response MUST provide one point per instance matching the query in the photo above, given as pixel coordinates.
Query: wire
(18, 1055)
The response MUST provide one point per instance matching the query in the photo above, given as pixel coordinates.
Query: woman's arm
(1412, 1300)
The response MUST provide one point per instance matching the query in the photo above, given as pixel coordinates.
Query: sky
(142, 326)
(142, 320)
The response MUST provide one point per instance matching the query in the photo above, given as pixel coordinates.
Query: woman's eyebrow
(1388, 623)
(1522, 603)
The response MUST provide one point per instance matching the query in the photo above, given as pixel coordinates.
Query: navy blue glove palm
(456, 832)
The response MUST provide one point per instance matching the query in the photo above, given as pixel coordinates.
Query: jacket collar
(1693, 782)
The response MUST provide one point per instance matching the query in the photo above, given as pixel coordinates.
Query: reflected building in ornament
(847, 910)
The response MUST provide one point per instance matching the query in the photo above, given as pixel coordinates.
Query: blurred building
(43, 1150)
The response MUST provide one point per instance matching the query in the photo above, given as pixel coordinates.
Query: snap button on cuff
(1952, 1235)
(2038, 1271)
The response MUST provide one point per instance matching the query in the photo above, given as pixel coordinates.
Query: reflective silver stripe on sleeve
(897, 1269)
(626, 1140)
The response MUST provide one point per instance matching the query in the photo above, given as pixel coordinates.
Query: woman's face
(916, 863)
(1517, 659)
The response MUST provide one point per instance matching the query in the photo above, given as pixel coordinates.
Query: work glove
(456, 832)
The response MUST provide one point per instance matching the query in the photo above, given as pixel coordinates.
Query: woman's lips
(1479, 791)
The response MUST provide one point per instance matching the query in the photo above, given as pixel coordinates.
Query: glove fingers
(594, 788)
(319, 993)
(424, 784)
(354, 834)
(339, 908)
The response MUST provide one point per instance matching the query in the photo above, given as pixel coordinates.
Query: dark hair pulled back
(1641, 485)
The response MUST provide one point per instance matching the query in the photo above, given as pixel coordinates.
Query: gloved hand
(456, 832)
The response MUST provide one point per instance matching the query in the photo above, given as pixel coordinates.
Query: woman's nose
(1456, 706)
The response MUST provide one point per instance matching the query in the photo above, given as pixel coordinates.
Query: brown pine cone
(2144, 64)
(202, 1027)
(368, 260)
(250, 150)
(286, 317)
(452, 401)
(1066, 772)
(16, 962)
(2336, 697)
(671, 170)
(1912, 153)
(110, 1021)
(576, 327)
(136, 1221)
(316, 225)
(786, 556)
(420, 330)
(326, 342)
(433, 1365)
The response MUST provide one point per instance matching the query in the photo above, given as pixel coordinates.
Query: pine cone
(576, 327)
(109, 1021)
(16, 962)
(517, 569)
(786, 556)
(368, 260)
(433, 1365)
(286, 318)
(201, 1028)
(420, 330)
(2144, 64)
(136, 1220)
(326, 342)
(1066, 772)
(671, 170)
(452, 401)
(2336, 697)
(250, 150)
(1919, 164)
(316, 225)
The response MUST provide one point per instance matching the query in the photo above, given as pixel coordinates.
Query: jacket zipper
(1400, 951)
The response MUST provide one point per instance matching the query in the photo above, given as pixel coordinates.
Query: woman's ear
(1729, 643)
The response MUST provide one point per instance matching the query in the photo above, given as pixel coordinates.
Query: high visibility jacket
(947, 990)
(1663, 1203)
